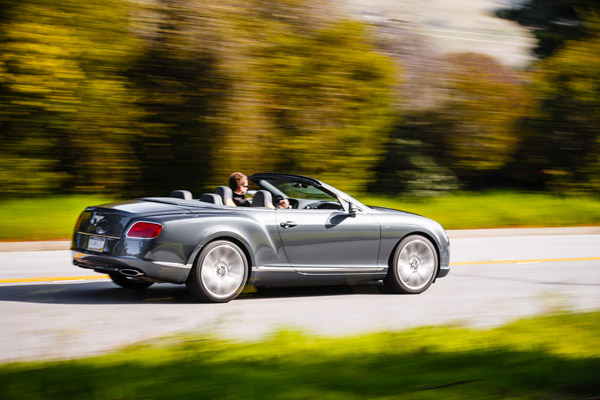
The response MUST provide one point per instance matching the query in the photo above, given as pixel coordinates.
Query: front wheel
(414, 265)
(220, 272)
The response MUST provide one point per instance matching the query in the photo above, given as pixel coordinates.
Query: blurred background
(139, 97)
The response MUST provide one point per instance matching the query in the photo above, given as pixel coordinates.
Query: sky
(454, 26)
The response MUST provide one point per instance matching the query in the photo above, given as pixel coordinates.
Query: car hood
(393, 210)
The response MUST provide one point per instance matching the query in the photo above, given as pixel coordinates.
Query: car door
(329, 241)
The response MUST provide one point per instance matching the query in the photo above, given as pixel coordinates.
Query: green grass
(54, 217)
(552, 357)
(499, 209)
(46, 218)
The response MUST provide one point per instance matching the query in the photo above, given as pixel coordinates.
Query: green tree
(316, 99)
(562, 139)
(181, 87)
(65, 112)
(466, 139)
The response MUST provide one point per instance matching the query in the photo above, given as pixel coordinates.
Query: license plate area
(96, 243)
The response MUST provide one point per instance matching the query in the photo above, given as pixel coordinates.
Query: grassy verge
(553, 357)
(499, 209)
(43, 218)
(54, 217)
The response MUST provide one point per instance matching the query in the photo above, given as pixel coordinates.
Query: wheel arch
(230, 238)
(426, 236)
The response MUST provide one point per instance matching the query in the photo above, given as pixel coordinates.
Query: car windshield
(297, 190)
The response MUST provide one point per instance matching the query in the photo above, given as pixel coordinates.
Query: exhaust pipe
(131, 272)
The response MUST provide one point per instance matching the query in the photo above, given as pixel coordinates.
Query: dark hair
(236, 179)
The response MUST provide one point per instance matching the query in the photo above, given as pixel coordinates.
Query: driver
(238, 183)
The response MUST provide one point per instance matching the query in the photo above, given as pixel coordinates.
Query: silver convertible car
(216, 248)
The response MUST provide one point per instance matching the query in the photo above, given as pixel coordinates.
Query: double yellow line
(454, 264)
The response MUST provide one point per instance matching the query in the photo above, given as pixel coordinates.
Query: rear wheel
(414, 266)
(129, 283)
(220, 272)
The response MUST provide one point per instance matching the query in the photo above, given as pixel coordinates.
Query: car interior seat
(212, 198)
(262, 198)
(182, 194)
(226, 195)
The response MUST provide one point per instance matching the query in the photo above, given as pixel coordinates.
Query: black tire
(414, 266)
(129, 283)
(220, 272)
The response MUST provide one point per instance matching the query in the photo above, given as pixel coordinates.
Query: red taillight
(144, 230)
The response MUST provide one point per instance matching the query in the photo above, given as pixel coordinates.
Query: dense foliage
(128, 98)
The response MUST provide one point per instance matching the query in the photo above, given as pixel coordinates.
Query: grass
(48, 218)
(499, 209)
(551, 357)
(53, 217)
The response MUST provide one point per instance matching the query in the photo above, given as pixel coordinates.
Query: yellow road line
(53, 278)
(75, 278)
(524, 261)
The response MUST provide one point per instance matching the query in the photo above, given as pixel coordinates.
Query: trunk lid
(110, 220)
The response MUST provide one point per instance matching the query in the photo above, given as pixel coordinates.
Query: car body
(328, 237)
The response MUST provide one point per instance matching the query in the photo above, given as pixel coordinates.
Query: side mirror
(352, 209)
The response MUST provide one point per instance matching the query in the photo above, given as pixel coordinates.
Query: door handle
(288, 224)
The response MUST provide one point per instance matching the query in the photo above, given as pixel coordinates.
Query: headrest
(212, 198)
(182, 194)
(226, 194)
(262, 198)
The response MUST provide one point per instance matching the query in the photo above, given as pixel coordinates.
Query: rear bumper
(153, 270)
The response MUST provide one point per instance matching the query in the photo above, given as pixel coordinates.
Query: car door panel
(329, 241)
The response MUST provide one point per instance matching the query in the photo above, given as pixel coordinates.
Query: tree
(65, 112)
(475, 125)
(553, 21)
(180, 87)
(316, 99)
(562, 138)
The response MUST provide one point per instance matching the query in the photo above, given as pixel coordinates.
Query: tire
(220, 272)
(129, 283)
(414, 266)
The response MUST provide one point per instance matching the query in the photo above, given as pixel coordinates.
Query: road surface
(51, 309)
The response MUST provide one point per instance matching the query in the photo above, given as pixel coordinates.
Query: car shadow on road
(108, 293)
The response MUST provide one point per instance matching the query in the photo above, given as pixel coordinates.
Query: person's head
(238, 182)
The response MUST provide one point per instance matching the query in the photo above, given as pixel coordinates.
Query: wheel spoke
(222, 271)
(416, 264)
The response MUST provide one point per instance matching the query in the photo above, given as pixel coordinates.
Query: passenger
(238, 183)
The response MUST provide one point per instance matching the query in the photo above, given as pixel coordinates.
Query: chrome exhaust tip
(131, 272)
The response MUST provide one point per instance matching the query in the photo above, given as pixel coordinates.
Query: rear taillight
(144, 230)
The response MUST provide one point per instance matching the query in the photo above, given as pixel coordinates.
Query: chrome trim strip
(172, 264)
(273, 269)
(339, 273)
(338, 269)
(319, 270)
(95, 234)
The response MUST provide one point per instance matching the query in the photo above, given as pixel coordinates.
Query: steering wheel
(277, 198)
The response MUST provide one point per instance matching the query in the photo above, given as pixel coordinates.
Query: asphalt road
(493, 280)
